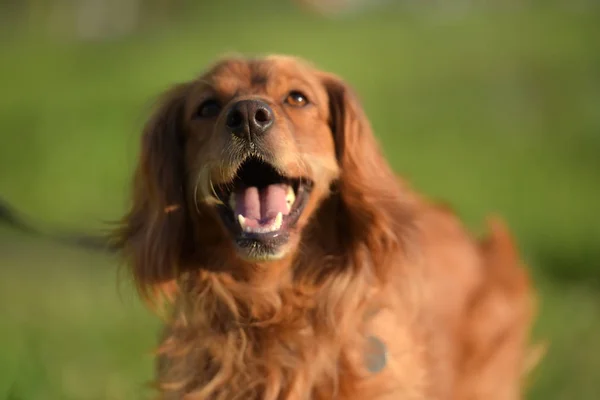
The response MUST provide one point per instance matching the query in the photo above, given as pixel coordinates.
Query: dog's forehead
(235, 74)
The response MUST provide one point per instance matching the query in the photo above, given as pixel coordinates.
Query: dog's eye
(296, 99)
(210, 108)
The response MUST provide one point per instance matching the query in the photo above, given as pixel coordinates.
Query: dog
(288, 260)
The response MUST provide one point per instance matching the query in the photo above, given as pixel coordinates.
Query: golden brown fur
(368, 256)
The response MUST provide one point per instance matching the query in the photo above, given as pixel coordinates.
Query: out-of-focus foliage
(490, 105)
(90, 19)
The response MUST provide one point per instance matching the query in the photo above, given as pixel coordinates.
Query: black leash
(15, 220)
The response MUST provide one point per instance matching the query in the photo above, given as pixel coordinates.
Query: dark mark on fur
(376, 355)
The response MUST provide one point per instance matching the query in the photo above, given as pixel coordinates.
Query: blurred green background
(494, 107)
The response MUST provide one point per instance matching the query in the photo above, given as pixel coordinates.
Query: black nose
(249, 119)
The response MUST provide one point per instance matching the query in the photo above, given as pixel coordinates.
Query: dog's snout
(249, 118)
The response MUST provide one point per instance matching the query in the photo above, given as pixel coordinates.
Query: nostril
(235, 119)
(262, 116)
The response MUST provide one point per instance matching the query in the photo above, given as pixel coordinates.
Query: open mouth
(261, 206)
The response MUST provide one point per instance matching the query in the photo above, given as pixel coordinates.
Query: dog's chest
(379, 357)
(380, 362)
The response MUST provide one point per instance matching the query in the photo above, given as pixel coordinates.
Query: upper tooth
(242, 221)
(290, 197)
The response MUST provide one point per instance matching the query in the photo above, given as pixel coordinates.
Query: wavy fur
(371, 259)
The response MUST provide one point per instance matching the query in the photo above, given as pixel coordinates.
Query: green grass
(68, 331)
(494, 112)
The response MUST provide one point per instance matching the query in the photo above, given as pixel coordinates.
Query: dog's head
(258, 151)
(242, 159)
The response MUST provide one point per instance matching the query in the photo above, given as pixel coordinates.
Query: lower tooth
(278, 221)
(274, 226)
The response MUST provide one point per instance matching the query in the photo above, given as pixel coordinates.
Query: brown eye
(296, 99)
(209, 109)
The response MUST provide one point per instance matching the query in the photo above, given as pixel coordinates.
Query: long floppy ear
(154, 232)
(375, 212)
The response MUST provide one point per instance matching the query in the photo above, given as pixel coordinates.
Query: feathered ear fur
(374, 211)
(153, 234)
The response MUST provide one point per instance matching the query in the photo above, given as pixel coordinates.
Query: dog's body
(298, 266)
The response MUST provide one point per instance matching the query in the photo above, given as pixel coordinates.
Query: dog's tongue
(263, 204)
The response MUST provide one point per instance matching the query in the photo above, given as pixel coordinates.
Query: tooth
(278, 222)
(290, 197)
(232, 200)
(242, 221)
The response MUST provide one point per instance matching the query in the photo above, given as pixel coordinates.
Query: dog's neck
(255, 288)
(268, 275)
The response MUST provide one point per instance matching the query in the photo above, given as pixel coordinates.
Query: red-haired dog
(297, 265)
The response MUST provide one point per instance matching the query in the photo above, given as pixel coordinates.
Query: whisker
(196, 195)
(213, 191)
(205, 185)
